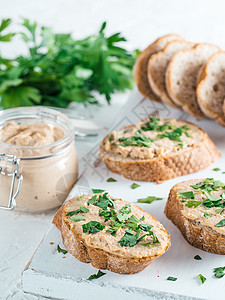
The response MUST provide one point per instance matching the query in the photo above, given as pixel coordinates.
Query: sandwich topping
(151, 138)
(204, 202)
(116, 226)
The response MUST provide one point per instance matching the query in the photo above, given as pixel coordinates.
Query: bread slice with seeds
(140, 68)
(156, 150)
(211, 88)
(182, 73)
(157, 66)
(111, 233)
(197, 208)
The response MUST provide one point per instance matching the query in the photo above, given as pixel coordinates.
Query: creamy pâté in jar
(40, 143)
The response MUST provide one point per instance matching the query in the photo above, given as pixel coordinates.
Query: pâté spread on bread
(111, 233)
(197, 207)
(37, 158)
(155, 149)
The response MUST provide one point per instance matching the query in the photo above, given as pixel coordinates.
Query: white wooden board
(51, 275)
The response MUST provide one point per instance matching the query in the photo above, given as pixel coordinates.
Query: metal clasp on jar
(15, 175)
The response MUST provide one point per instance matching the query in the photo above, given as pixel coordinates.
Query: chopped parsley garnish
(81, 209)
(129, 239)
(207, 216)
(97, 191)
(134, 186)
(111, 138)
(96, 276)
(193, 203)
(77, 218)
(219, 272)
(111, 180)
(60, 250)
(102, 201)
(216, 169)
(219, 210)
(221, 223)
(92, 227)
(171, 278)
(201, 278)
(149, 199)
(197, 257)
(126, 209)
(139, 141)
(186, 195)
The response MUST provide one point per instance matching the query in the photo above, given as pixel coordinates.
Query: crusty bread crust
(202, 80)
(189, 106)
(199, 236)
(140, 68)
(100, 259)
(157, 67)
(163, 168)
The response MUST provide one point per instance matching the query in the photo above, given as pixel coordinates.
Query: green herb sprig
(59, 69)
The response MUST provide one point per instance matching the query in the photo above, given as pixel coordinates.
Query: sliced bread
(111, 233)
(182, 73)
(197, 208)
(211, 88)
(140, 68)
(157, 66)
(157, 150)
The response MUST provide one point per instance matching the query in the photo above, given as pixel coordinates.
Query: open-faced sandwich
(158, 149)
(110, 233)
(197, 208)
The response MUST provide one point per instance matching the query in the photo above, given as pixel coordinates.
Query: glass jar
(37, 178)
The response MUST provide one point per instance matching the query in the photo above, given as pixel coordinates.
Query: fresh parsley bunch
(59, 70)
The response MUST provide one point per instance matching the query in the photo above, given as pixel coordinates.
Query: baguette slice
(157, 66)
(197, 224)
(182, 73)
(143, 152)
(211, 88)
(102, 249)
(140, 68)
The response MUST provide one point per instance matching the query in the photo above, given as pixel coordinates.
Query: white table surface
(141, 22)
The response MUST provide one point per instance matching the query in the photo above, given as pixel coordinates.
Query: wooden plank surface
(51, 275)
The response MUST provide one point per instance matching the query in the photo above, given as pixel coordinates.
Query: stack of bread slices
(184, 75)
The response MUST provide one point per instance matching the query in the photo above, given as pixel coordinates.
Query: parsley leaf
(171, 278)
(102, 201)
(221, 223)
(219, 272)
(126, 209)
(197, 257)
(60, 250)
(129, 240)
(135, 185)
(111, 180)
(149, 199)
(77, 218)
(92, 227)
(97, 191)
(81, 209)
(207, 216)
(193, 203)
(216, 169)
(186, 195)
(201, 278)
(96, 276)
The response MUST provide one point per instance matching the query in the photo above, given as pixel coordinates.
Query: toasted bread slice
(182, 73)
(211, 88)
(140, 68)
(157, 68)
(157, 150)
(200, 220)
(121, 237)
